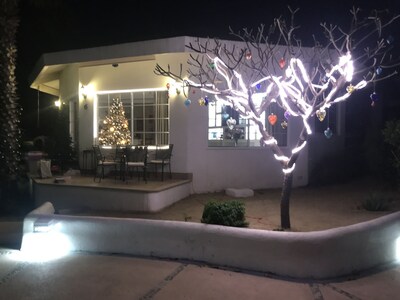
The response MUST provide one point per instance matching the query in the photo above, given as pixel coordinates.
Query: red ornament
(282, 63)
(272, 119)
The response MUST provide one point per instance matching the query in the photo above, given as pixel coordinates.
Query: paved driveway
(96, 276)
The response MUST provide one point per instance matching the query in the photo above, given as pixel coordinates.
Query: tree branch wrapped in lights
(273, 67)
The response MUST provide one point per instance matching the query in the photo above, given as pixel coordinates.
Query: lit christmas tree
(115, 129)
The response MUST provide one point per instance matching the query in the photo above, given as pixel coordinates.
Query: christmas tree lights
(115, 127)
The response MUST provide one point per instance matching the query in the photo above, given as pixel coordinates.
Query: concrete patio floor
(96, 276)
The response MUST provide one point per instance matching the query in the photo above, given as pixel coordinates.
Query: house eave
(50, 65)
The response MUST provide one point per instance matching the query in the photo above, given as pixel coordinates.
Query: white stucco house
(87, 80)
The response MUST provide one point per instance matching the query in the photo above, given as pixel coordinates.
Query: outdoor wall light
(83, 92)
(43, 225)
(57, 103)
(45, 243)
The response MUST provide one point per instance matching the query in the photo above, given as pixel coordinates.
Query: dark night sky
(76, 24)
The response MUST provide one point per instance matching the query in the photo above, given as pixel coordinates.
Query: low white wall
(320, 255)
(73, 196)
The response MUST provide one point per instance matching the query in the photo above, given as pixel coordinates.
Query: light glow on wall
(130, 91)
(398, 249)
(45, 243)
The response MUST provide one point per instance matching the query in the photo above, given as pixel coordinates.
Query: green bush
(230, 213)
(376, 202)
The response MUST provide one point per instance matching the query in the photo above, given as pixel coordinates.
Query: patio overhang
(47, 71)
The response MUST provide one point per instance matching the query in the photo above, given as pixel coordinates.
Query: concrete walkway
(96, 276)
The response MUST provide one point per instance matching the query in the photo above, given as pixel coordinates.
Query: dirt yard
(311, 208)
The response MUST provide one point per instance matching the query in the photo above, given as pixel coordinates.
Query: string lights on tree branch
(270, 66)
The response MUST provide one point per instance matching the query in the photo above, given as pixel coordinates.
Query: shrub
(230, 213)
(375, 202)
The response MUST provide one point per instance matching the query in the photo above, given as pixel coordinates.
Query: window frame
(155, 122)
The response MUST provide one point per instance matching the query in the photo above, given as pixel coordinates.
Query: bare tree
(270, 65)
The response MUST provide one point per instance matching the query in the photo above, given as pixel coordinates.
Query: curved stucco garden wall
(320, 255)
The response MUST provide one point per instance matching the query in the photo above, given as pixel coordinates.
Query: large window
(227, 128)
(147, 113)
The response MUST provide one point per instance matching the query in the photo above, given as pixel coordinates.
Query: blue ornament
(258, 86)
(374, 96)
(206, 100)
(328, 133)
(225, 116)
(378, 71)
(187, 102)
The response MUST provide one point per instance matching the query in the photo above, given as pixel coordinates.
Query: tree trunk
(285, 200)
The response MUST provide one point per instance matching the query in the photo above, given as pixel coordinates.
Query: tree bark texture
(285, 200)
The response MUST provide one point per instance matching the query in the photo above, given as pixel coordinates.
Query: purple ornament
(286, 115)
(374, 96)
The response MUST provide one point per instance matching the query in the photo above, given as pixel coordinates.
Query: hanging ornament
(187, 102)
(320, 114)
(282, 63)
(212, 65)
(206, 100)
(284, 124)
(373, 103)
(350, 88)
(225, 115)
(374, 96)
(231, 123)
(202, 102)
(328, 133)
(258, 86)
(390, 39)
(286, 114)
(168, 86)
(325, 78)
(248, 55)
(378, 71)
(272, 118)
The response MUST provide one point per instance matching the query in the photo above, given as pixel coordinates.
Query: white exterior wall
(213, 169)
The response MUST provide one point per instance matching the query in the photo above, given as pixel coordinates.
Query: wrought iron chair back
(163, 158)
(136, 158)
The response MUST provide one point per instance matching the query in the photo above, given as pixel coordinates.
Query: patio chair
(163, 158)
(120, 159)
(136, 158)
(102, 162)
